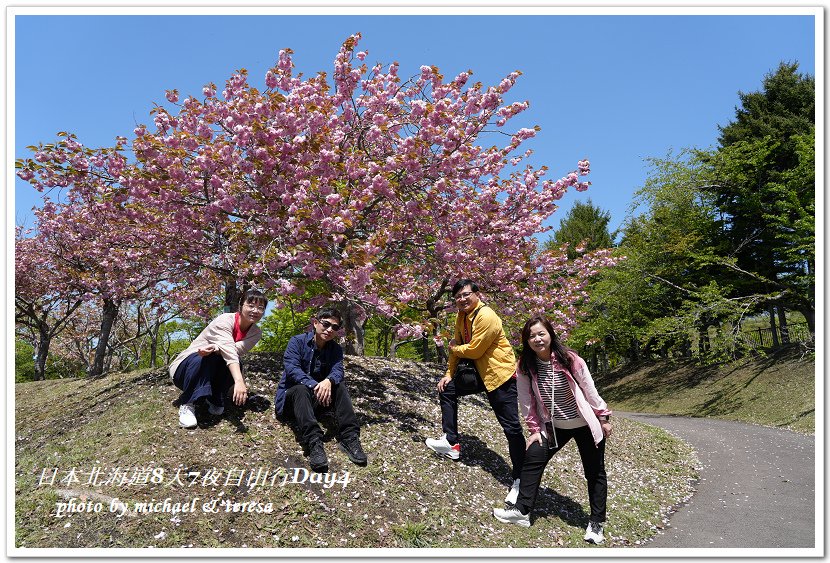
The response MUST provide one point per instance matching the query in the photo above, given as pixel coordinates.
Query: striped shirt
(553, 387)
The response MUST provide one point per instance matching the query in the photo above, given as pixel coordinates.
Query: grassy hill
(776, 390)
(118, 438)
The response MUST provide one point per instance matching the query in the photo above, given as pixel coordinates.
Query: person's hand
(207, 350)
(535, 437)
(606, 428)
(240, 393)
(443, 382)
(323, 392)
(451, 343)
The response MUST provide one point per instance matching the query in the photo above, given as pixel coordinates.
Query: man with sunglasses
(313, 381)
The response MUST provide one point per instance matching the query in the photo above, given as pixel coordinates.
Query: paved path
(756, 489)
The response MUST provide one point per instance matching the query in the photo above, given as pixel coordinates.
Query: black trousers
(504, 402)
(203, 376)
(593, 464)
(301, 404)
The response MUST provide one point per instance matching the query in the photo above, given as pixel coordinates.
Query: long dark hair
(527, 357)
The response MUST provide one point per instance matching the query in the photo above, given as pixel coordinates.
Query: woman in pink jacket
(559, 401)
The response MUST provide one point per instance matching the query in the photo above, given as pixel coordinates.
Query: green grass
(778, 390)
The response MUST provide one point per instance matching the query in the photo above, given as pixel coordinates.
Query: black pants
(203, 376)
(593, 464)
(300, 403)
(504, 402)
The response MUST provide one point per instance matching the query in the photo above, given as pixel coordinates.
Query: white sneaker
(215, 410)
(443, 447)
(187, 416)
(513, 495)
(512, 516)
(593, 533)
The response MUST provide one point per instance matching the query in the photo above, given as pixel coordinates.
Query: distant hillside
(118, 438)
(778, 390)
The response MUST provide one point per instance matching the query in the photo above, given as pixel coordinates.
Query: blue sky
(612, 88)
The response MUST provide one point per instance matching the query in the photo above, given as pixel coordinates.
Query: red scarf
(237, 332)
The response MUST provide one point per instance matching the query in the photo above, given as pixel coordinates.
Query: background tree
(44, 299)
(585, 225)
(765, 188)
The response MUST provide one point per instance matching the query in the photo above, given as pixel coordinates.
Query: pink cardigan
(220, 333)
(588, 401)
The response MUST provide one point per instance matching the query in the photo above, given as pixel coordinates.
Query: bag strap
(472, 319)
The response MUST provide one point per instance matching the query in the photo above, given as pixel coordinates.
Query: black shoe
(317, 457)
(354, 450)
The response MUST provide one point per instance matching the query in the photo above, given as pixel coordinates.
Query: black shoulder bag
(466, 376)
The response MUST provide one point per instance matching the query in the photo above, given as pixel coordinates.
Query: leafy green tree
(671, 246)
(675, 284)
(280, 325)
(24, 361)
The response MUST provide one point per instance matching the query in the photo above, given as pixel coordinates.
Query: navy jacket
(299, 361)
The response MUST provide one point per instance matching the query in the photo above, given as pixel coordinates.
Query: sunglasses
(328, 325)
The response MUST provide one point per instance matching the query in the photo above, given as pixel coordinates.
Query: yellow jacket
(488, 347)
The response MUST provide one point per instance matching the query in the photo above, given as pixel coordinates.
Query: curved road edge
(756, 487)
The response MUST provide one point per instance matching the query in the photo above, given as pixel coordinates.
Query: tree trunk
(634, 350)
(384, 335)
(782, 324)
(107, 320)
(232, 296)
(441, 351)
(686, 348)
(356, 346)
(604, 355)
(42, 352)
(703, 342)
(771, 310)
(810, 316)
(154, 343)
(425, 352)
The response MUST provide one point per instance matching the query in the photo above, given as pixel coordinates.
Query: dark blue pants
(199, 376)
(593, 464)
(505, 404)
(300, 403)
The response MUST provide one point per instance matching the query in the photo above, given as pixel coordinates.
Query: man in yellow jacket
(479, 336)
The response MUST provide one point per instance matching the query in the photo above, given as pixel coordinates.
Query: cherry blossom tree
(367, 189)
(42, 304)
(103, 253)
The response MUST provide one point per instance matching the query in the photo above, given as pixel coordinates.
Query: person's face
(466, 300)
(539, 339)
(326, 328)
(252, 311)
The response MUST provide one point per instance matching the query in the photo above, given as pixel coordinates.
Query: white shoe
(593, 533)
(512, 516)
(187, 416)
(443, 447)
(215, 410)
(513, 495)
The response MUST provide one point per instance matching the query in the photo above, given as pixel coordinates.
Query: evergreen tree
(584, 223)
(765, 188)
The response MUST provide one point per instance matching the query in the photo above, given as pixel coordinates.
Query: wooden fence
(763, 337)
